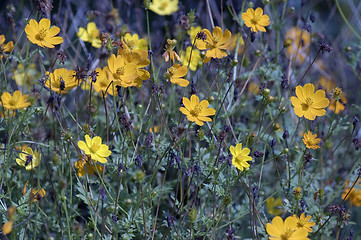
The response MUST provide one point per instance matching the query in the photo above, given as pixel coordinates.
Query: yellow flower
(135, 43)
(122, 72)
(41, 34)
(61, 80)
(196, 59)
(26, 75)
(193, 33)
(311, 140)
(273, 206)
(215, 44)
(355, 194)
(16, 101)
(29, 159)
(196, 111)
(7, 227)
(95, 149)
(240, 157)
(309, 103)
(88, 167)
(176, 72)
(35, 194)
(338, 106)
(235, 38)
(91, 35)
(300, 44)
(327, 84)
(255, 19)
(104, 85)
(164, 7)
(304, 222)
(286, 230)
(5, 47)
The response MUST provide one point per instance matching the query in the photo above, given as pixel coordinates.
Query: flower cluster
(293, 227)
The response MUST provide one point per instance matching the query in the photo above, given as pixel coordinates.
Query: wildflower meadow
(179, 119)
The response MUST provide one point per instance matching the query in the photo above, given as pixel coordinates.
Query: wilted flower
(84, 164)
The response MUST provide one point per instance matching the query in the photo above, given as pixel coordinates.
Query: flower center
(41, 35)
(163, 6)
(94, 148)
(196, 111)
(287, 234)
(121, 71)
(306, 105)
(300, 224)
(14, 101)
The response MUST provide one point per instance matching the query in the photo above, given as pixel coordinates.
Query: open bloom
(309, 103)
(29, 159)
(286, 230)
(197, 111)
(135, 43)
(255, 19)
(16, 101)
(164, 7)
(176, 74)
(91, 35)
(5, 47)
(61, 80)
(95, 149)
(311, 140)
(304, 222)
(215, 44)
(240, 157)
(41, 33)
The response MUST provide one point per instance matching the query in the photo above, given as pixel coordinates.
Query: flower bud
(287, 42)
(192, 214)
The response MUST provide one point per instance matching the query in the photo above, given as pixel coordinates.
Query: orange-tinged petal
(217, 32)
